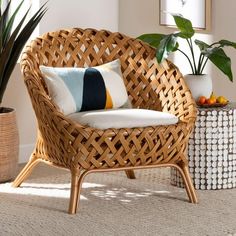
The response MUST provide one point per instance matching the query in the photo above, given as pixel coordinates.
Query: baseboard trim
(25, 152)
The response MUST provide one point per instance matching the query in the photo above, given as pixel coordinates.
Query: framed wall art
(199, 12)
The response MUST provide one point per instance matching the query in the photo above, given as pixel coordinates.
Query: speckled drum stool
(212, 149)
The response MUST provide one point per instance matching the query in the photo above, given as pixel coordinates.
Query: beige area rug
(111, 204)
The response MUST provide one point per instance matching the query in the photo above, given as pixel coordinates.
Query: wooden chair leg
(26, 171)
(130, 174)
(76, 184)
(184, 171)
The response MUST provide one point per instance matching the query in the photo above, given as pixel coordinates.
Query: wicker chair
(81, 149)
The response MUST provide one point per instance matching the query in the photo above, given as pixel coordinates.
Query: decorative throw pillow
(83, 89)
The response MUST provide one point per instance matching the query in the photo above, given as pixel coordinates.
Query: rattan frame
(81, 149)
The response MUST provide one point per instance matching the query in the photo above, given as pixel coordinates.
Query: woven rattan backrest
(149, 85)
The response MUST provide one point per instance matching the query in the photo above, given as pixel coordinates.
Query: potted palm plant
(12, 42)
(199, 83)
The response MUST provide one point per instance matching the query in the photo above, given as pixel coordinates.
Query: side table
(212, 149)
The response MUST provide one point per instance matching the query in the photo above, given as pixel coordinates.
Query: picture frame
(199, 12)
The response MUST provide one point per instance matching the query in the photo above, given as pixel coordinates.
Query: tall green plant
(13, 41)
(165, 44)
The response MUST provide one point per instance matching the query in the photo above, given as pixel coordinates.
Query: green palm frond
(12, 42)
(8, 29)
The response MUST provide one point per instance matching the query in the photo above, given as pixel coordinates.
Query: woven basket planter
(9, 144)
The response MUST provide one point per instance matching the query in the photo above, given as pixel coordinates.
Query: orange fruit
(202, 100)
(211, 101)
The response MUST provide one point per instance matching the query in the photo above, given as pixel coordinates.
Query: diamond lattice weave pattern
(83, 149)
(149, 86)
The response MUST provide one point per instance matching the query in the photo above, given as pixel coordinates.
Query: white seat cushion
(123, 118)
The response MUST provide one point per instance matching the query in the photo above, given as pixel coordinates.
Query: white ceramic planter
(199, 85)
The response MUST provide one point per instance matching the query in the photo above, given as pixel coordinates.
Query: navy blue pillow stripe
(94, 91)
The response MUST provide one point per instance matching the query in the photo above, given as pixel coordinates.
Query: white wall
(80, 13)
(61, 14)
(138, 17)
(224, 19)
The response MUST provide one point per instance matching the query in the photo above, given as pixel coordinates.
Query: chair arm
(56, 132)
(175, 97)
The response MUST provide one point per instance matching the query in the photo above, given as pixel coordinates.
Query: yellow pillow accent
(109, 103)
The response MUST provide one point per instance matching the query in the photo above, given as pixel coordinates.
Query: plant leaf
(184, 25)
(7, 50)
(225, 42)
(202, 46)
(218, 57)
(3, 21)
(176, 47)
(8, 28)
(5, 55)
(0, 8)
(22, 39)
(168, 44)
(152, 39)
(18, 46)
